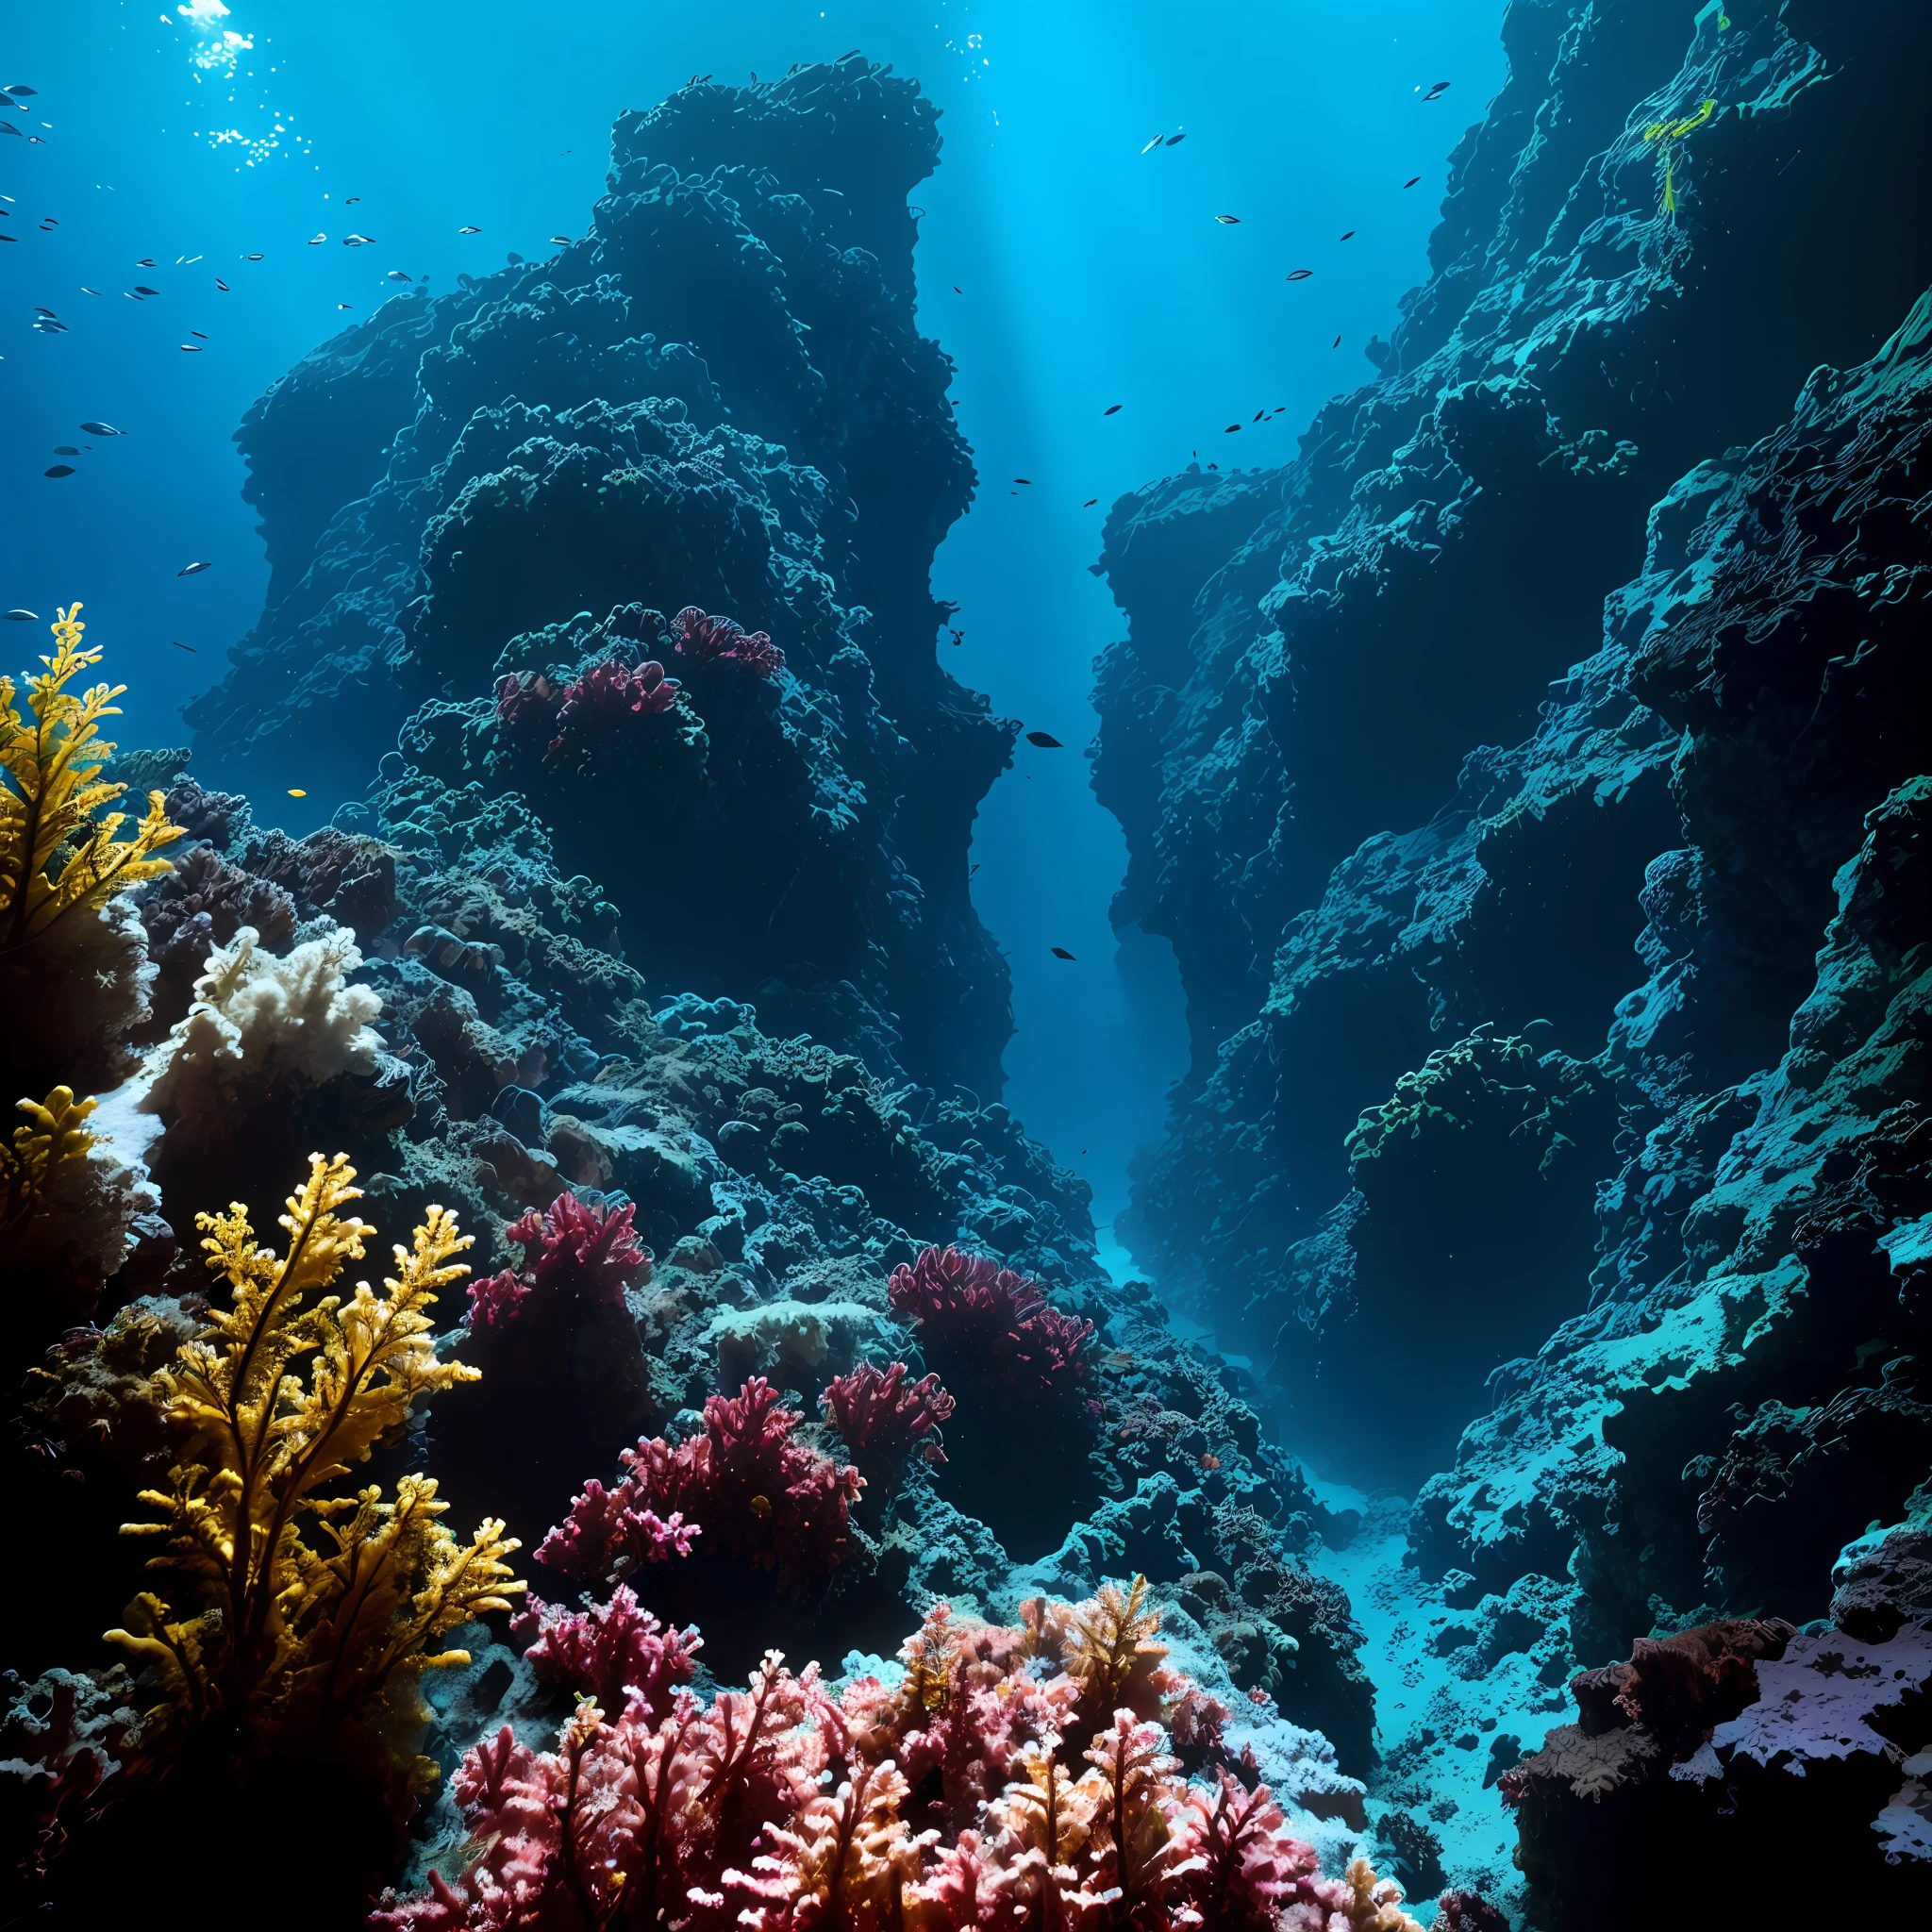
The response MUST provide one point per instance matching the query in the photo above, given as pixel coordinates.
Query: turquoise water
(1088, 273)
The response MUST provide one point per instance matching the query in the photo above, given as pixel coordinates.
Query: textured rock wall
(1499, 770)
(717, 397)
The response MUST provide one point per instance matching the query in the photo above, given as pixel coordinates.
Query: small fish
(345, 305)
(189, 348)
(48, 222)
(65, 449)
(1436, 92)
(51, 328)
(316, 240)
(1231, 429)
(192, 569)
(1028, 480)
(22, 617)
(1060, 951)
(957, 290)
(1229, 220)
(222, 286)
(186, 261)
(1411, 181)
(128, 295)
(1350, 236)
(256, 257)
(8, 127)
(180, 646)
(142, 289)
(1299, 275)
(395, 275)
(974, 866)
(38, 311)
(1336, 344)
(352, 201)
(357, 241)
(761, 1507)
(1090, 502)
(60, 470)
(1111, 409)
(296, 792)
(1153, 144)
(561, 241)
(1045, 741)
(22, 93)
(145, 261)
(468, 228)
(1175, 139)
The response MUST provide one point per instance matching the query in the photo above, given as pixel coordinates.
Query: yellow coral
(1112, 1637)
(1376, 1905)
(51, 1148)
(284, 1630)
(56, 853)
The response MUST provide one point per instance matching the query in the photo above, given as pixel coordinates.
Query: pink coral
(958, 1800)
(761, 1495)
(617, 1652)
(613, 690)
(997, 1324)
(718, 640)
(576, 1258)
(880, 1415)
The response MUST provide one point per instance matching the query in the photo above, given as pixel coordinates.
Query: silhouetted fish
(1090, 502)
(60, 470)
(1230, 430)
(1060, 952)
(22, 617)
(1411, 181)
(1174, 140)
(65, 449)
(142, 289)
(1299, 275)
(222, 286)
(180, 646)
(1111, 409)
(316, 240)
(1229, 220)
(468, 228)
(101, 429)
(192, 569)
(1045, 741)
(1349, 236)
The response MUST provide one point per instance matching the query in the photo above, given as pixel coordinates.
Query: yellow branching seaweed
(1113, 1634)
(59, 850)
(286, 1632)
(51, 1149)
(1664, 136)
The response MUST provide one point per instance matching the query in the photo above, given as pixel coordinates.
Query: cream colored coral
(256, 1017)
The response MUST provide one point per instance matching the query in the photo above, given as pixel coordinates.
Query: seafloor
(1572, 1013)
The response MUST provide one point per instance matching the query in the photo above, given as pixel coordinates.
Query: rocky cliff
(1531, 780)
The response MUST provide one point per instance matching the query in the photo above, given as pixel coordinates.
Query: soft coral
(995, 1325)
(576, 1258)
(883, 1417)
(761, 1494)
(718, 640)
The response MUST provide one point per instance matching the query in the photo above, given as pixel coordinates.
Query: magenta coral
(980, 1315)
(617, 1652)
(718, 640)
(576, 1258)
(613, 690)
(882, 1415)
(761, 1494)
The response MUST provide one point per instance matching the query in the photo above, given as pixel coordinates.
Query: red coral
(1244, 1871)
(718, 640)
(617, 1652)
(879, 1416)
(761, 1495)
(996, 1323)
(576, 1258)
(613, 690)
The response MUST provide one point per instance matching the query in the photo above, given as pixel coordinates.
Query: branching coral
(617, 1652)
(285, 1635)
(60, 852)
(576, 1258)
(884, 1417)
(759, 1494)
(995, 1325)
(48, 1160)
(718, 640)
(972, 1795)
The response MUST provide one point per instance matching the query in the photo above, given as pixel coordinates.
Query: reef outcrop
(1531, 782)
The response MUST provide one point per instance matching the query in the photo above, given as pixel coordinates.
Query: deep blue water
(1087, 274)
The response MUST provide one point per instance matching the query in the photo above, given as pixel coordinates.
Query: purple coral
(611, 690)
(576, 1258)
(718, 641)
(616, 1652)
(996, 1323)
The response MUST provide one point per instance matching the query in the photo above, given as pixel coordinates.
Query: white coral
(257, 1018)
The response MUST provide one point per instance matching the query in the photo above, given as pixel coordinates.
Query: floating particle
(345, 305)
(1060, 951)
(1045, 741)
(60, 470)
(192, 569)
(180, 646)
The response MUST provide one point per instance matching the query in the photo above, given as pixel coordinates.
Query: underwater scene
(966, 964)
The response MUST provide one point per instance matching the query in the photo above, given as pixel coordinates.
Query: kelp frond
(59, 849)
(280, 1623)
(49, 1149)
